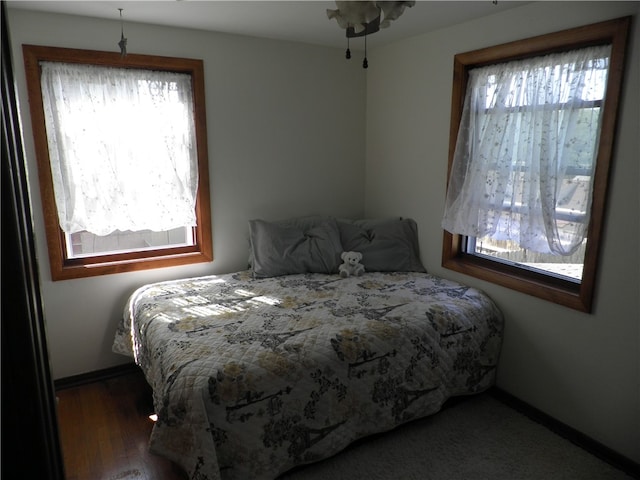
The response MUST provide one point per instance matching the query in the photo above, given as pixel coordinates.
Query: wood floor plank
(105, 429)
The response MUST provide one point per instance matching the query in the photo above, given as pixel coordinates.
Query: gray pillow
(387, 245)
(295, 246)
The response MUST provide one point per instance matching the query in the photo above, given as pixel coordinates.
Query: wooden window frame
(574, 295)
(64, 268)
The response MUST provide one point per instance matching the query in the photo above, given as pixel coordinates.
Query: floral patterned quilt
(252, 377)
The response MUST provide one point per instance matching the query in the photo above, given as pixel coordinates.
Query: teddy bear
(351, 264)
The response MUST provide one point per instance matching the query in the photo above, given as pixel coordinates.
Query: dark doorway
(30, 442)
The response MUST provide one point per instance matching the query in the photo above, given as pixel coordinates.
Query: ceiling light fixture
(360, 18)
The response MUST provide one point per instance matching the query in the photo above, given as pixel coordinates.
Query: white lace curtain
(525, 153)
(122, 147)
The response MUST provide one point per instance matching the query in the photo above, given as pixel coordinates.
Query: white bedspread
(252, 377)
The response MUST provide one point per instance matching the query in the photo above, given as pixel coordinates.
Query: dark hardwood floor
(104, 431)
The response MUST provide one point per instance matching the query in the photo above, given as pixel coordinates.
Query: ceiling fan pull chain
(365, 63)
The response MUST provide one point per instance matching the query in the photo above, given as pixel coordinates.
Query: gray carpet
(475, 439)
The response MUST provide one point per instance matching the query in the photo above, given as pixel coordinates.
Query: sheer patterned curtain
(122, 147)
(525, 153)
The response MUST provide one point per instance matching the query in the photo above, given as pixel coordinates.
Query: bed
(261, 370)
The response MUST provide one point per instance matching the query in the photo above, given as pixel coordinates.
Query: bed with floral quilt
(253, 373)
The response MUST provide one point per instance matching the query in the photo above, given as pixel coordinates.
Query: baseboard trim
(95, 376)
(569, 433)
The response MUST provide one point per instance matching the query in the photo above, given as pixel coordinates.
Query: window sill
(76, 268)
(547, 287)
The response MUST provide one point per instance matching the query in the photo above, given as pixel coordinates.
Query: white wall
(286, 137)
(582, 369)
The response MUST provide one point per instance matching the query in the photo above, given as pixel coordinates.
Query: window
(532, 133)
(122, 160)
